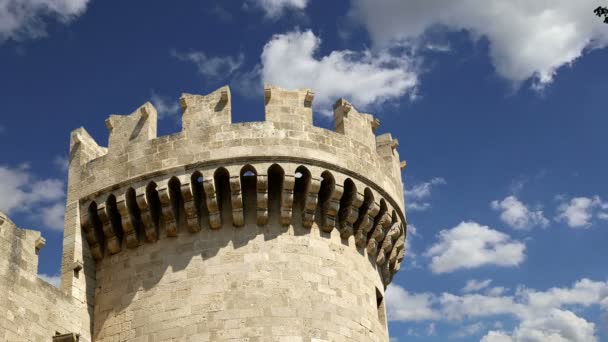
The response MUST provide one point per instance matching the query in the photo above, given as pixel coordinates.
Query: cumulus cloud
(276, 8)
(22, 19)
(404, 306)
(528, 40)
(471, 245)
(475, 285)
(211, 67)
(555, 326)
(580, 211)
(21, 191)
(540, 315)
(54, 280)
(418, 195)
(289, 60)
(517, 215)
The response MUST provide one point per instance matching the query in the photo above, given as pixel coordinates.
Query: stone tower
(259, 231)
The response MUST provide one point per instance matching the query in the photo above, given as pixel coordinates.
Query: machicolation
(259, 231)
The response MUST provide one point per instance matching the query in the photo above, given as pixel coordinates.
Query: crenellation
(83, 148)
(203, 112)
(180, 236)
(293, 108)
(130, 130)
(359, 126)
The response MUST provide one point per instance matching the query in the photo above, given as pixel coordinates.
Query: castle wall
(251, 283)
(30, 308)
(176, 241)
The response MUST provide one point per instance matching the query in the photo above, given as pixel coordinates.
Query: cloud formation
(22, 19)
(275, 8)
(475, 285)
(579, 212)
(21, 191)
(165, 107)
(470, 245)
(527, 40)
(417, 196)
(541, 315)
(517, 215)
(404, 306)
(289, 60)
(214, 67)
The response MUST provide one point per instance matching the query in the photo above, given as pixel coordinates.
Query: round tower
(259, 231)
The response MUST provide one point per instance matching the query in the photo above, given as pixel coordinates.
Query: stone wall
(240, 284)
(258, 231)
(30, 308)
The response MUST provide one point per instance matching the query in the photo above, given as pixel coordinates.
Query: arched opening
(249, 192)
(177, 203)
(95, 225)
(275, 189)
(199, 198)
(135, 214)
(155, 206)
(328, 184)
(346, 202)
(221, 177)
(115, 219)
(300, 189)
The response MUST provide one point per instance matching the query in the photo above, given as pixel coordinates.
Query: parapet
(215, 173)
(32, 309)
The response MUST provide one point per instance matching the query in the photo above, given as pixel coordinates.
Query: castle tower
(259, 231)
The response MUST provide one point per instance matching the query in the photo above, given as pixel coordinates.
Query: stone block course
(259, 231)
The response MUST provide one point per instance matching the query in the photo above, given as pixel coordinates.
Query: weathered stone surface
(260, 231)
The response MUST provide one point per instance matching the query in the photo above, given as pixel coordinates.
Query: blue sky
(499, 108)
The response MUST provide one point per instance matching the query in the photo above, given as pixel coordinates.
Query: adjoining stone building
(259, 231)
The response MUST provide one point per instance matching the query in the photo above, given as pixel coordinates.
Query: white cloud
(540, 315)
(527, 39)
(54, 280)
(365, 79)
(165, 107)
(62, 163)
(21, 19)
(212, 67)
(52, 216)
(403, 306)
(579, 211)
(470, 245)
(475, 285)
(496, 336)
(418, 195)
(275, 8)
(555, 326)
(517, 215)
(20, 191)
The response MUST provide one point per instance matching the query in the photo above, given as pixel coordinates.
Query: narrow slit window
(381, 308)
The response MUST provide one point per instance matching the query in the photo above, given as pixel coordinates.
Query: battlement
(288, 228)
(208, 134)
(213, 173)
(32, 309)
